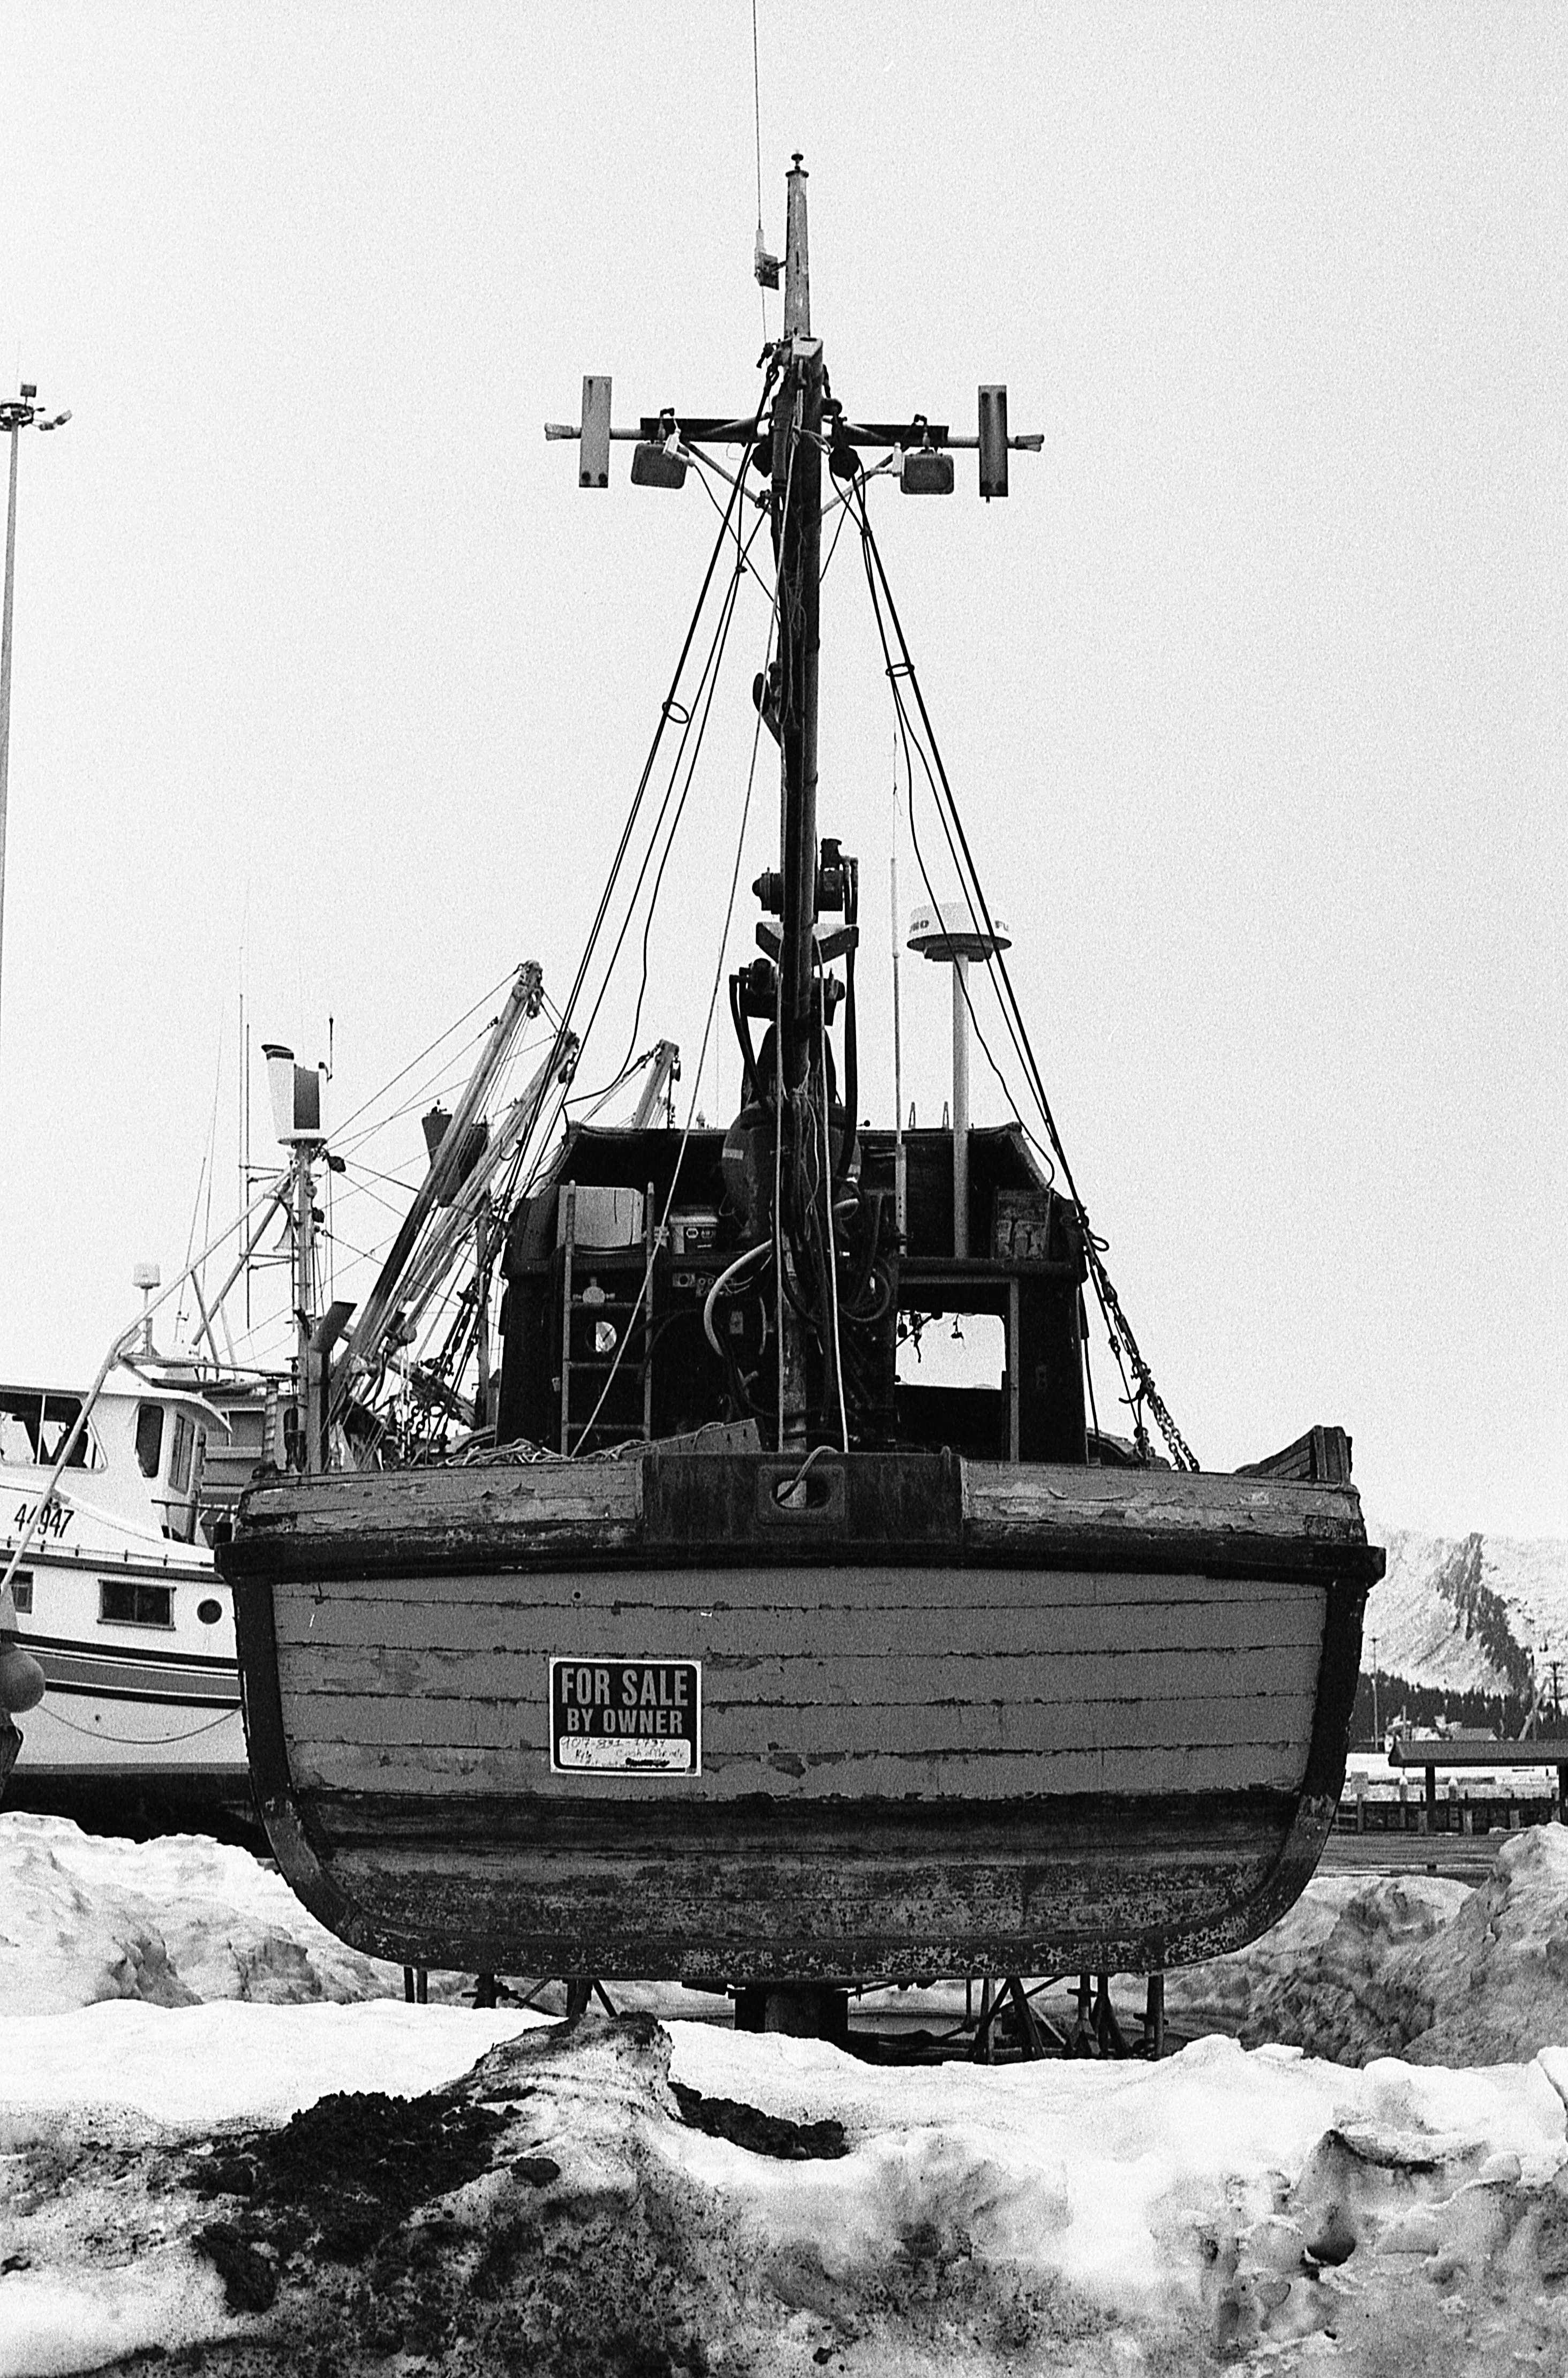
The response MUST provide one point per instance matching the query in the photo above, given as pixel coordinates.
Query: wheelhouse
(616, 1329)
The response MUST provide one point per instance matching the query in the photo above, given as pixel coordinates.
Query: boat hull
(954, 1717)
(139, 1707)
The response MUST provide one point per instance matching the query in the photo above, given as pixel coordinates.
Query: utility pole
(17, 413)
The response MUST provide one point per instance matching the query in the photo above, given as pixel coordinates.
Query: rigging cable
(705, 697)
(484, 999)
(708, 1029)
(828, 1201)
(668, 708)
(1116, 1319)
(894, 671)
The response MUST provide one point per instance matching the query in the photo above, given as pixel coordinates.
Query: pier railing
(1490, 1799)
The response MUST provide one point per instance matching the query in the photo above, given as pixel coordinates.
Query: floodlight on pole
(17, 413)
(949, 933)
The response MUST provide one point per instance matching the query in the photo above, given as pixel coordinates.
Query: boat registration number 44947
(625, 1717)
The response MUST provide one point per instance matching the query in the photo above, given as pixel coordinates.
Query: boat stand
(817, 2011)
(808, 2012)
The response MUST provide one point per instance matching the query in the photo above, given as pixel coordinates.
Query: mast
(791, 1160)
(797, 480)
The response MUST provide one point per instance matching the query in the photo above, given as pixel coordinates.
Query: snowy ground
(510, 2195)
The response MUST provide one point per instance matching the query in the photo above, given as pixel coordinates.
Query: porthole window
(209, 1611)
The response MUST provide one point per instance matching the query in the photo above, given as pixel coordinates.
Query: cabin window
(34, 1428)
(952, 1349)
(209, 1611)
(150, 1437)
(951, 1382)
(125, 1602)
(21, 1592)
(179, 1460)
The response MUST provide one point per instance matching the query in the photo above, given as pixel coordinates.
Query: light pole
(1375, 1735)
(17, 413)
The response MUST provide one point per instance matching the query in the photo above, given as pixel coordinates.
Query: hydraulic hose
(742, 1263)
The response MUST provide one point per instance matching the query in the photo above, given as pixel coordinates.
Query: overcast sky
(328, 679)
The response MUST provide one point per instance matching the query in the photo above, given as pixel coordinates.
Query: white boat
(118, 1596)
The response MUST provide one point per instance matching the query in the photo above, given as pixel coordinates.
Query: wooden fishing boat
(748, 1655)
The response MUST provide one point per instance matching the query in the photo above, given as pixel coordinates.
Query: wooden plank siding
(878, 1679)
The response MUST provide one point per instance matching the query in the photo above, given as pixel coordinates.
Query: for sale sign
(625, 1717)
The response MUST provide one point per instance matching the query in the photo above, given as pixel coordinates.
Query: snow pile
(170, 1922)
(1408, 1966)
(96, 2255)
(339, 2184)
(228, 2063)
(580, 2202)
(1464, 1614)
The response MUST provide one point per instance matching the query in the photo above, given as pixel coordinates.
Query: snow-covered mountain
(1469, 1613)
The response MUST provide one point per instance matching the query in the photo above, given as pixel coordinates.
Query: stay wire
(571, 1058)
(894, 671)
(364, 1108)
(1044, 1153)
(1110, 1303)
(831, 1250)
(667, 710)
(701, 1054)
(901, 725)
(705, 697)
(893, 674)
(724, 937)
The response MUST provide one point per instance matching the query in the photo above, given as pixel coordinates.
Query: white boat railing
(117, 1346)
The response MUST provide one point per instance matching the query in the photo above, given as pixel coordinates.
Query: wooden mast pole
(797, 480)
(797, 486)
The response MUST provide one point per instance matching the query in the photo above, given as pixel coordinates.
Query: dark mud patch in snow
(374, 2231)
(765, 2134)
(338, 2176)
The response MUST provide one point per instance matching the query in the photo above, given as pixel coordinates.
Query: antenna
(146, 1277)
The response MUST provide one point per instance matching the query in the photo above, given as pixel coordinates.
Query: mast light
(658, 461)
(924, 468)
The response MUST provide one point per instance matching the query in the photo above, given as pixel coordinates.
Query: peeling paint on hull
(1048, 1733)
